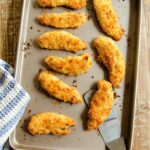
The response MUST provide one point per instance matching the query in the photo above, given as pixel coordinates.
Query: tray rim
(136, 74)
(20, 58)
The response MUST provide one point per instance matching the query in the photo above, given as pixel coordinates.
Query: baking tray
(30, 60)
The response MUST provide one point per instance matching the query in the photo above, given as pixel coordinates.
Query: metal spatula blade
(110, 130)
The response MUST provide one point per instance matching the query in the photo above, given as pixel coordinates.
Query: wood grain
(142, 129)
(10, 13)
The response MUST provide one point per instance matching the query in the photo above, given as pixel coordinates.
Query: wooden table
(10, 11)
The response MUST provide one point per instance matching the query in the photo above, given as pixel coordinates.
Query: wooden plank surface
(142, 123)
(10, 13)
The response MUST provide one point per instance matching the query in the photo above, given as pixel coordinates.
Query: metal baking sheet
(30, 60)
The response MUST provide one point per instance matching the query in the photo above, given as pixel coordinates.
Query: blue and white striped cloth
(13, 101)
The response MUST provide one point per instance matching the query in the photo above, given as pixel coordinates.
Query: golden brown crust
(108, 19)
(101, 105)
(63, 20)
(58, 89)
(70, 65)
(50, 123)
(111, 57)
(74, 4)
(60, 40)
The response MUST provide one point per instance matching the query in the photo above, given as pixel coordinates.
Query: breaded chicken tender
(70, 65)
(60, 40)
(111, 57)
(101, 105)
(50, 123)
(74, 4)
(108, 19)
(58, 89)
(63, 20)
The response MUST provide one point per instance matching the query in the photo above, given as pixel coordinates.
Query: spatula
(110, 130)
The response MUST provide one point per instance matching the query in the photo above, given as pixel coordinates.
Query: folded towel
(13, 101)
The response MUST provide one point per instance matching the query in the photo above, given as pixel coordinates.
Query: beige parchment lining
(10, 12)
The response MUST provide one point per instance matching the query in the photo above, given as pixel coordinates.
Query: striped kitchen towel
(13, 101)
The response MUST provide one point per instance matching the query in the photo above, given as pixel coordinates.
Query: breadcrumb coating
(108, 18)
(58, 89)
(74, 4)
(111, 57)
(60, 40)
(50, 123)
(63, 20)
(70, 65)
(101, 105)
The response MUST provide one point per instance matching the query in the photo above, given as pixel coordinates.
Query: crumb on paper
(27, 45)
(29, 111)
(115, 95)
(38, 30)
(25, 121)
(89, 17)
(74, 81)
